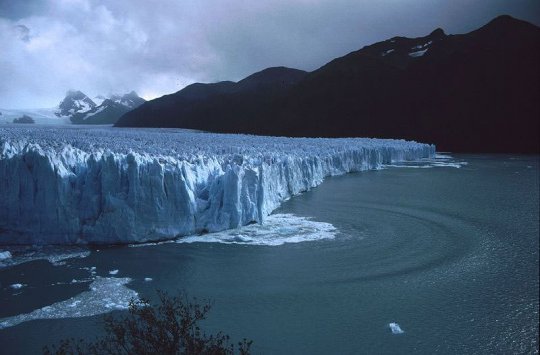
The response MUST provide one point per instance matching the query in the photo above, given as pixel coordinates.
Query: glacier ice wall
(110, 185)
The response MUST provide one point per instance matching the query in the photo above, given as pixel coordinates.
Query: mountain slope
(214, 105)
(75, 102)
(473, 92)
(109, 111)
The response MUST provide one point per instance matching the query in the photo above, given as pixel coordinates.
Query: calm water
(449, 254)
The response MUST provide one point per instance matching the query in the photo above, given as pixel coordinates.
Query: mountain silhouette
(474, 92)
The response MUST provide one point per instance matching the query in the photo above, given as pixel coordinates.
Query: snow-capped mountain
(402, 51)
(80, 109)
(109, 110)
(75, 102)
(130, 100)
(99, 99)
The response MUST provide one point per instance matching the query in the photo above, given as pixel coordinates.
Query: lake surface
(449, 254)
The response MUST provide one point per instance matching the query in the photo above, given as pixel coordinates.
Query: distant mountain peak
(129, 100)
(272, 77)
(131, 94)
(274, 73)
(506, 23)
(503, 19)
(72, 92)
(75, 102)
(437, 33)
(508, 32)
(109, 109)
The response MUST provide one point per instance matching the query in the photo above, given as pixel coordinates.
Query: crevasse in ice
(107, 185)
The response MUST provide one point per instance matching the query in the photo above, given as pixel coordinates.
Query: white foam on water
(113, 272)
(139, 245)
(17, 286)
(55, 255)
(5, 255)
(451, 165)
(395, 328)
(409, 166)
(438, 161)
(105, 295)
(60, 259)
(148, 279)
(277, 229)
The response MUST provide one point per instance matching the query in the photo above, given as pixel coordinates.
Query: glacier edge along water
(449, 254)
(110, 186)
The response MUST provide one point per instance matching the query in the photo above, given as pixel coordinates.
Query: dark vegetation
(474, 92)
(170, 327)
(24, 119)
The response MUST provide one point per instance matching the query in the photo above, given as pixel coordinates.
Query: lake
(447, 249)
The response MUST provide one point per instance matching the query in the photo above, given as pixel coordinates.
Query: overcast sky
(158, 47)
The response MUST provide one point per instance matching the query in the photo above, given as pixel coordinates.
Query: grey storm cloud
(24, 33)
(158, 47)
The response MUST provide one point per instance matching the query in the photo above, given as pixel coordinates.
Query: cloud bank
(158, 47)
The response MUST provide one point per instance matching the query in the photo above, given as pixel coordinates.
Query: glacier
(104, 185)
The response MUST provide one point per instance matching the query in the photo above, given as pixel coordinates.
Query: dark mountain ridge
(474, 92)
(202, 104)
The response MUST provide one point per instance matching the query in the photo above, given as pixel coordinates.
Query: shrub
(170, 327)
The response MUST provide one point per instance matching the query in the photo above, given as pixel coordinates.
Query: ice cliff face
(75, 185)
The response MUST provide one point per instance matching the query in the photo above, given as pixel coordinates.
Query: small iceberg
(395, 328)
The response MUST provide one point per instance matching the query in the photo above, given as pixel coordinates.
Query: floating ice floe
(437, 161)
(56, 255)
(107, 185)
(60, 259)
(91, 269)
(105, 295)
(395, 328)
(277, 229)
